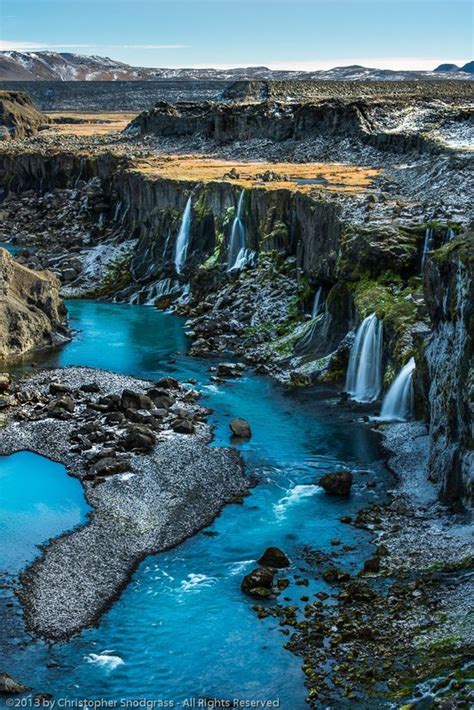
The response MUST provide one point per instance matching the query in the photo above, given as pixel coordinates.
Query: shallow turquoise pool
(38, 500)
(182, 628)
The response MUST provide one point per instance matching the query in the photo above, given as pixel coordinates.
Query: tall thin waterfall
(449, 234)
(237, 242)
(426, 247)
(398, 404)
(318, 302)
(364, 374)
(182, 240)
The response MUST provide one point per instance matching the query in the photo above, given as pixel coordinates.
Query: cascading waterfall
(182, 241)
(364, 374)
(237, 255)
(449, 234)
(398, 404)
(124, 214)
(318, 302)
(118, 207)
(81, 168)
(426, 247)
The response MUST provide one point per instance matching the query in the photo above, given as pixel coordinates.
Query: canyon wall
(449, 359)
(32, 314)
(361, 269)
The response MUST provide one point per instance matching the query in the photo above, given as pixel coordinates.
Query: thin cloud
(19, 46)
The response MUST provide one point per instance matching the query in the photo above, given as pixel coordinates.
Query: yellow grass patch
(92, 124)
(324, 176)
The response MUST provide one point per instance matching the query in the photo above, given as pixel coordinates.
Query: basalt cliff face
(450, 363)
(32, 314)
(395, 124)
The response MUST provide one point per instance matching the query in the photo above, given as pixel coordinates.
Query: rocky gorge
(321, 248)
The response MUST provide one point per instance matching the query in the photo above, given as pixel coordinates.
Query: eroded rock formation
(18, 115)
(32, 314)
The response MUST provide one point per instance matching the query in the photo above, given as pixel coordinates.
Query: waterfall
(449, 235)
(426, 247)
(182, 241)
(364, 374)
(237, 255)
(102, 219)
(81, 167)
(398, 404)
(318, 302)
(124, 214)
(118, 207)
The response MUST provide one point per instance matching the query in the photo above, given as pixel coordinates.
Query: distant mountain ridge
(67, 66)
(468, 68)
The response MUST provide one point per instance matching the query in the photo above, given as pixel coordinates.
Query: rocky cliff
(32, 315)
(449, 355)
(394, 124)
(18, 116)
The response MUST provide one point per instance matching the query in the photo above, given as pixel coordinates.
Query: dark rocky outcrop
(361, 120)
(18, 116)
(10, 686)
(274, 557)
(450, 369)
(32, 315)
(337, 484)
(259, 582)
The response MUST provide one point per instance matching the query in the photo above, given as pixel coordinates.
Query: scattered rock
(230, 369)
(135, 400)
(9, 685)
(337, 484)
(240, 428)
(183, 426)
(274, 557)
(258, 583)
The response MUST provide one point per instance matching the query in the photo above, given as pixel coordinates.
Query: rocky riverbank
(141, 451)
(401, 628)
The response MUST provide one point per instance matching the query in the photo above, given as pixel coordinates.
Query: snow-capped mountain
(66, 66)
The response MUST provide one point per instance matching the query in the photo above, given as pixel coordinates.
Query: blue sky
(301, 34)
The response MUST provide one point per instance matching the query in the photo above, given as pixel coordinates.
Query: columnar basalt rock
(450, 362)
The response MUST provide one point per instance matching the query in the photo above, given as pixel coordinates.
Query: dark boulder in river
(274, 557)
(258, 583)
(337, 484)
(240, 428)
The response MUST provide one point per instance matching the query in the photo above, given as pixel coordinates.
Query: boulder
(258, 583)
(135, 400)
(9, 685)
(372, 565)
(5, 381)
(58, 388)
(139, 438)
(240, 428)
(183, 426)
(109, 466)
(169, 383)
(90, 388)
(337, 484)
(274, 557)
(230, 369)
